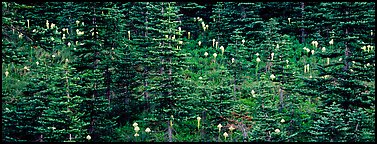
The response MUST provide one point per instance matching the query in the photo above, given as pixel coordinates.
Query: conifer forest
(188, 71)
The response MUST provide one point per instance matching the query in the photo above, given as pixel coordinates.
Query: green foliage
(188, 71)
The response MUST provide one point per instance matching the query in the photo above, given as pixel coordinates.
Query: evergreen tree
(92, 54)
(191, 11)
(267, 118)
(167, 61)
(62, 120)
(330, 125)
(253, 23)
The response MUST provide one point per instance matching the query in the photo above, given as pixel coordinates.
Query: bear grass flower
(277, 130)
(289, 20)
(315, 43)
(214, 55)
(219, 126)
(307, 49)
(312, 51)
(171, 120)
(364, 48)
(323, 49)
(37, 63)
(129, 35)
(135, 124)
(88, 137)
(80, 33)
(272, 76)
(222, 50)
(52, 25)
(137, 129)
(148, 130)
(20, 35)
(6, 74)
(205, 54)
(199, 43)
(136, 135)
(69, 44)
(217, 44)
(243, 41)
(282, 121)
(305, 68)
(258, 60)
(213, 42)
(188, 35)
(231, 128)
(253, 93)
(368, 46)
(331, 42)
(198, 118)
(225, 135)
(272, 56)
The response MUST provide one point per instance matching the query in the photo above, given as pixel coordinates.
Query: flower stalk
(129, 35)
(198, 118)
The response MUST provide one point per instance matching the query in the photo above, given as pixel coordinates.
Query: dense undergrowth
(188, 72)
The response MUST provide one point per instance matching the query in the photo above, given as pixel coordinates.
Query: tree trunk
(281, 99)
(302, 40)
(170, 133)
